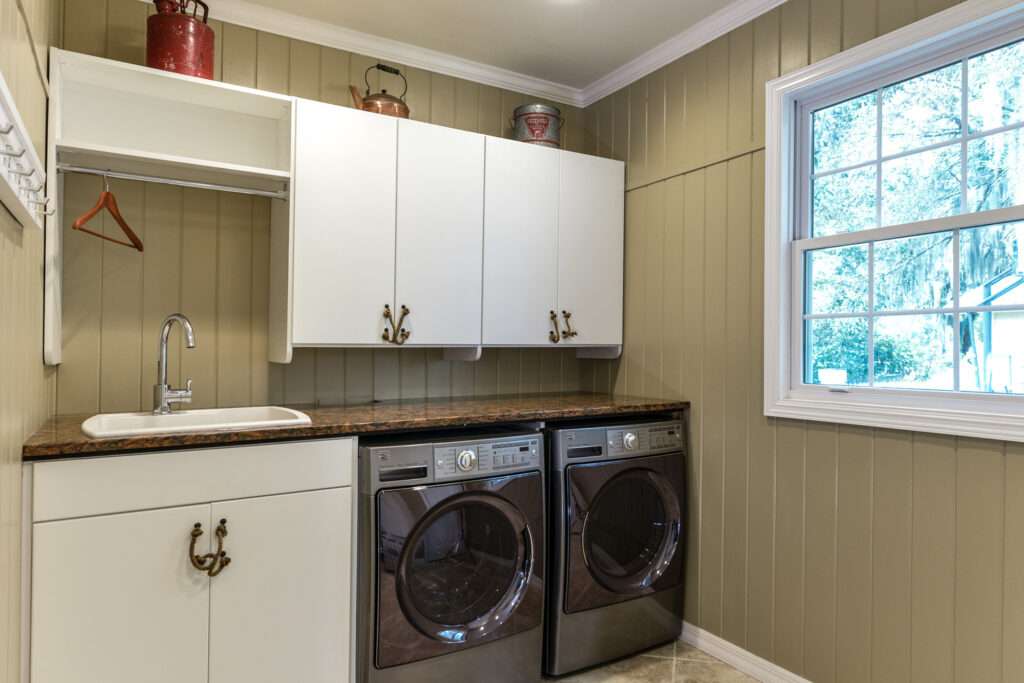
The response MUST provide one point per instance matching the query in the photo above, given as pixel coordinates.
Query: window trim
(884, 58)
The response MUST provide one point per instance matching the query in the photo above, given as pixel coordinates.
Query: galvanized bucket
(538, 124)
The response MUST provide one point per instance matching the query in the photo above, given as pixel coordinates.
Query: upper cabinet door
(281, 610)
(344, 217)
(590, 248)
(116, 600)
(440, 233)
(520, 243)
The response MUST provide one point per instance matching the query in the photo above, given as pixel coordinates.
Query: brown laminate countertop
(62, 436)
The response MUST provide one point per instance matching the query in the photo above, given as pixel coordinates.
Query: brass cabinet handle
(402, 334)
(569, 332)
(394, 333)
(554, 336)
(210, 563)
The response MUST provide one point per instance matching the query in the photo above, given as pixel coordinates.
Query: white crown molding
(251, 15)
(730, 17)
(261, 18)
(737, 657)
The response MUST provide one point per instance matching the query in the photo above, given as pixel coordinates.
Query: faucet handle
(185, 395)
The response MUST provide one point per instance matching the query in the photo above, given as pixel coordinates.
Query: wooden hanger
(107, 201)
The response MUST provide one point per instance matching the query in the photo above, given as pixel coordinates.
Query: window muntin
(910, 304)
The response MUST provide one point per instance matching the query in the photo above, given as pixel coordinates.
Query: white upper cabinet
(590, 248)
(438, 274)
(520, 243)
(344, 224)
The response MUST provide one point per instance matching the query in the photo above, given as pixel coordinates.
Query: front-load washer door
(458, 565)
(625, 530)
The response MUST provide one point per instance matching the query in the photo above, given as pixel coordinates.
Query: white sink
(183, 421)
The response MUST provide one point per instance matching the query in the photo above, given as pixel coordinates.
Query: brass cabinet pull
(569, 332)
(210, 563)
(394, 333)
(554, 336)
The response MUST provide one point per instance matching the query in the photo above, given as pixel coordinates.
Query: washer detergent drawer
(458, 565)
(624, 522)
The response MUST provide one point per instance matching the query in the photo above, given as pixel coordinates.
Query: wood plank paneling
(894, 14)
(788, 642)
(740, 131)
(1013, 577)
(161, 284)
(693, 352)
(198, 294)
(653, 331)
(820, 491)
(761, 479)
(933, 562)
(121, 305)
(636, 171)
(26, 387)
(736, 386)
(716, 124)
(234, 299)
(860, 23)
(892, 519)
(979, 560)
(712, 398)
(853, 543)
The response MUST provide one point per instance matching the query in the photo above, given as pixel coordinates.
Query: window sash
(798, 288)
(876, 83)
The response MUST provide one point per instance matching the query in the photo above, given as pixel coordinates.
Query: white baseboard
(737, 657)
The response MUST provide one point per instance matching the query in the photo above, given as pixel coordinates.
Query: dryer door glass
(465, 567)
(631, 532)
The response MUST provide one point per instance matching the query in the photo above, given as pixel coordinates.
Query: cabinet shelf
(171, 167)
(157, 126)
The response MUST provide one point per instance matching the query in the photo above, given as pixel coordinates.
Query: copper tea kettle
(382, 102)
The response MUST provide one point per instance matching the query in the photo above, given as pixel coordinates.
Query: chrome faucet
(164, 395)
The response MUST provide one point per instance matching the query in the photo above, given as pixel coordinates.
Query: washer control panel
(453, 461)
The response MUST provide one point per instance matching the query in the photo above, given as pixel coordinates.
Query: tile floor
(672, 663)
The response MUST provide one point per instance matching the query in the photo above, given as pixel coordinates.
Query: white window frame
(913, 49)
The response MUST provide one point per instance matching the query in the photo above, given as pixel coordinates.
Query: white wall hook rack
(22, 175)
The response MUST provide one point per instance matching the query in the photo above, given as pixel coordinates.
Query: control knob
(466, 460)
(629, 441)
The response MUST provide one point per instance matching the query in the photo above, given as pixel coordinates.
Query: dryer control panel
(590, 443)
(641, 440)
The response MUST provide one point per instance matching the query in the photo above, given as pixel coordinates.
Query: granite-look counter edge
(62, 436)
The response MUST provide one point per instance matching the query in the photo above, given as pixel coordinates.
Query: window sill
(1002, 426)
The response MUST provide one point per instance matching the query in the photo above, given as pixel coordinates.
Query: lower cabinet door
(280, 610)
(116, 600)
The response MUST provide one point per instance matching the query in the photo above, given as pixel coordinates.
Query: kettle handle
(195, 9)
(388, 70)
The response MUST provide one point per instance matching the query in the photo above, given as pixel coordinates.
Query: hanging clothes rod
(273, 194)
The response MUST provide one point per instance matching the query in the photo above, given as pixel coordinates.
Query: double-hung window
(895, 230)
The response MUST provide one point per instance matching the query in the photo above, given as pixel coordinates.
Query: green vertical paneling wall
(844, 554)
(26, 387)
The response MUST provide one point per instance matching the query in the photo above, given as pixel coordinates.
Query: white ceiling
(573, 51)
(572, 42)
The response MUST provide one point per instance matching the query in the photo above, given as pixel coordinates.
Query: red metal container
(179, 41)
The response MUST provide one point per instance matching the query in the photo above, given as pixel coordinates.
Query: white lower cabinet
(116, 598)
(280, 611)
